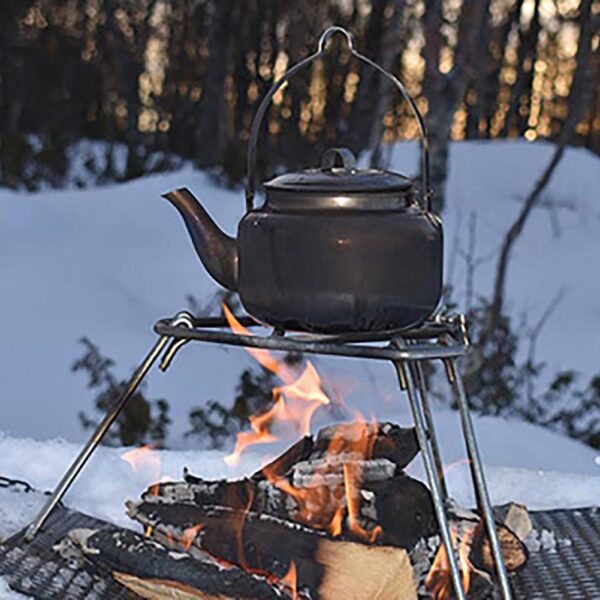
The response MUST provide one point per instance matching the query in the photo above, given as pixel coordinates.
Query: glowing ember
(351, 485)
(291, 580)
(189, 535)
(439, 581)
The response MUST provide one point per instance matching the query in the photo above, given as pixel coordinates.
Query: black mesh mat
(565, 566)
(36, 570)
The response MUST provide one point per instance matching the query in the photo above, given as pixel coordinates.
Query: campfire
(334, 516)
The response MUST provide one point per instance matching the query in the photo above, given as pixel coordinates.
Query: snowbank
(536, 456)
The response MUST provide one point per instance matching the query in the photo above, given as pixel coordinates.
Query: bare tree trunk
(390, 43)
(445, 92)
(500, 39)
(362, 107)
(579, 96)
(210, 126)
(482, 62)
(528, 41)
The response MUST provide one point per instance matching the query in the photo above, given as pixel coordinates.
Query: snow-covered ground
(7, 594)
(107, 262)
(546, 470)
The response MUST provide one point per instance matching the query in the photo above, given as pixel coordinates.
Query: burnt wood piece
(326, 569)
(282, 465)
(518, 520)
(401, 506)
(383, 440)
(154, 571)
(404, 509)
(386, 440)
(514, 551)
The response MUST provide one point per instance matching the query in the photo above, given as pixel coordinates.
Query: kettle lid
(338, 174)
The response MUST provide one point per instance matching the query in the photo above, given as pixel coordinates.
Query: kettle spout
(217, 251)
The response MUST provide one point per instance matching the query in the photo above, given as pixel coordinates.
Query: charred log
(384, 440)
(324, 568)
(514, 550)
(153, 571)
(400, 506)
(470, 524)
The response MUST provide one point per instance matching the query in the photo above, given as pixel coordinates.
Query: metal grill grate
(36, 570)
(567, 565)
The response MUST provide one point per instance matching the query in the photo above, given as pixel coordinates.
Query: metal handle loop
(330, 32)
(262, 109)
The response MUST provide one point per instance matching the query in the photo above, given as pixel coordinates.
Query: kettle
(331, 250)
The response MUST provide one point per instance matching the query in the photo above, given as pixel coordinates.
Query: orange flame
(320, 506)
(337, 523)
(295, 401)
(351, 485)
(291, 580)
(438, 581)
(145, 461)
(329, 506)
(263, 357)
(463, 560)
(189, 535)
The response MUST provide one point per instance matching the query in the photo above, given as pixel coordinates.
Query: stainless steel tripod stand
(443, 338)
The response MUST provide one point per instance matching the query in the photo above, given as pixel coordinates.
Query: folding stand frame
(444, 338)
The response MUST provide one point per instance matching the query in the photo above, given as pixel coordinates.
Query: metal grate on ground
(565, 567)
(36, 570)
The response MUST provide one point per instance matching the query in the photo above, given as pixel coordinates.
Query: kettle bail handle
(425, 191)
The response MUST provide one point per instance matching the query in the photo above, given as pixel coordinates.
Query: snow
(108, 262)
(538, 477)
(7, 594)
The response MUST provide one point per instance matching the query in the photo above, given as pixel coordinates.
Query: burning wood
(316, 509)
(155, 572)
(357, 491)
(263, 545)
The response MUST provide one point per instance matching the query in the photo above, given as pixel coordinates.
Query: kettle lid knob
(338, 157)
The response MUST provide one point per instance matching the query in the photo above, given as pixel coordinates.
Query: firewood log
(514, 551)
(325, 568)
(400, 505)
(156, 572)
(385, 440)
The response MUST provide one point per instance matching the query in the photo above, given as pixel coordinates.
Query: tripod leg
(87, 451)
(435, 449)
(409, 384)
(483, 497)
